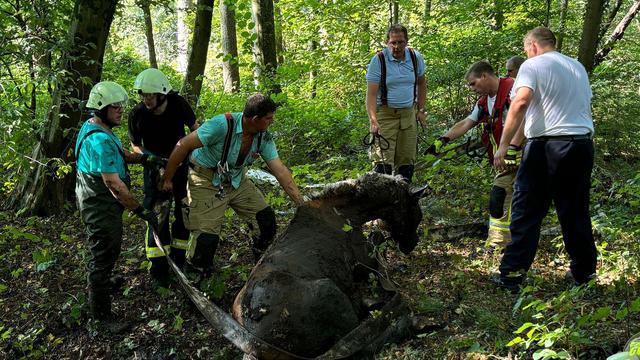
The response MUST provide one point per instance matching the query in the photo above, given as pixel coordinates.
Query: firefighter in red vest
(490, 112)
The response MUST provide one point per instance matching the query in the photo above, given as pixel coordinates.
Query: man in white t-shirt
(553, 97)
(490, 112)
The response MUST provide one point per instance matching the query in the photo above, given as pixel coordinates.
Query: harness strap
(91, 132)
(227, 139)
(383, 75)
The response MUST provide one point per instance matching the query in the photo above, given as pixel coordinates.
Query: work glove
(513, 156)
(148, 159)
(147, 215)
(437, 145)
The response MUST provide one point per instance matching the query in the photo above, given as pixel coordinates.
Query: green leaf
(3, 288)
(523, 327)
(177, 324)
(622, 313)
(601, 313)
(347, 227)
(515, 341)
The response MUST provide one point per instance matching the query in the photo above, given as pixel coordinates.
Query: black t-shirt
(160, 133)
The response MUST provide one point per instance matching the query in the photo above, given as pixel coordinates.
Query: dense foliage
(326, 46)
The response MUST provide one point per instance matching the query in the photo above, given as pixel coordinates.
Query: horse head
(392, 200)
(378, 196)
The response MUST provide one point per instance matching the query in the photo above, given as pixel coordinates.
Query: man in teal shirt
(102, 191)
(216, 184)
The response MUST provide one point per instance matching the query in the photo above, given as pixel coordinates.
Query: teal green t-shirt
(101, 152)
(212, 134)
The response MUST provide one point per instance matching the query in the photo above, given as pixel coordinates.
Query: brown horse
(302, 296)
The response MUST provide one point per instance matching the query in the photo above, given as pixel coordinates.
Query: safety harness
(223, 166)
(383, 75)
(492, 125)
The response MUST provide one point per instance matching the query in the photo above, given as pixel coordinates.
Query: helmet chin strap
(105, 118)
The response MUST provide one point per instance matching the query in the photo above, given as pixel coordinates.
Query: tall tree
(547, 13)
(426, 16)
(148, 30)
(618, 33)
(590, 30)
(564, 4)
(278, 29)
(498, 14)
(394, 9)
(230, 68)
(42, 192)
(313, 74)
(264, 48)
(198, 54)
(182, 33)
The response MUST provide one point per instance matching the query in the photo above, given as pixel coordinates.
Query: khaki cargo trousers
(399, 128)
(205, 213)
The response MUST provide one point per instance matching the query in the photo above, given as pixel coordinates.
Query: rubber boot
(406, 171)
(383, 168)
(178, 255)
(116, 282)
(100, 310)
(160, 272)
(202, 260)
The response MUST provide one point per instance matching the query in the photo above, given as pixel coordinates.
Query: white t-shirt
(491, 102)
(561, 103)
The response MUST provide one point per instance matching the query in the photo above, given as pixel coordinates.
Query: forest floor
(43, 301)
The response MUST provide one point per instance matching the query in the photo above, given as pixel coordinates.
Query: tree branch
(617, 34)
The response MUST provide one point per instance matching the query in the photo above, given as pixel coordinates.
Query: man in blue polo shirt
(216, 183)
(394, 102)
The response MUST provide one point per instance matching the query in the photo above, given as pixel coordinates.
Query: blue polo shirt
(400, 77)
(100, 152)
(212, 134)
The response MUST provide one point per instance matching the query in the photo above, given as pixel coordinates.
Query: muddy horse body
(303, 296)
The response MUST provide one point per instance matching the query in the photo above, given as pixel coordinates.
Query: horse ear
(420, 192)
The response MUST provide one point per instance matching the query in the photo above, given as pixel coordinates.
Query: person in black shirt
(155, 126)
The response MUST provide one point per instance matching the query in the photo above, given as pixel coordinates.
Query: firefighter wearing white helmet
(155, 125)
(102, 190)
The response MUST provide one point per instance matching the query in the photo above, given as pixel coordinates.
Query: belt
(386, 107)
(562, 137)
(199, 168)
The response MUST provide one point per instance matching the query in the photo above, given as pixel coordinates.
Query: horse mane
(371, 185)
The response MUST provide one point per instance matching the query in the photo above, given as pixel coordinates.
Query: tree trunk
(42, 192)
(564, 4)
(230, 69)
(393, 12)
(313, 74)
(590, 31)
(547, 15)
(618, 33)
(182, 34)
(265, 45)
(498, 15)
(198, 54)
(278, 29)
(148, 29)
(427, 10)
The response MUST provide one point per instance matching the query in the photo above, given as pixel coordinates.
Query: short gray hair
(542, 35)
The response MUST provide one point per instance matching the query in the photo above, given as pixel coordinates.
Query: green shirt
(101, 152)
(212, 134)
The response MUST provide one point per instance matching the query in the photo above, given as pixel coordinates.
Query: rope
(369, 140)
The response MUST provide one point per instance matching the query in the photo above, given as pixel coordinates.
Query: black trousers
(151, 194)
(557, 170)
